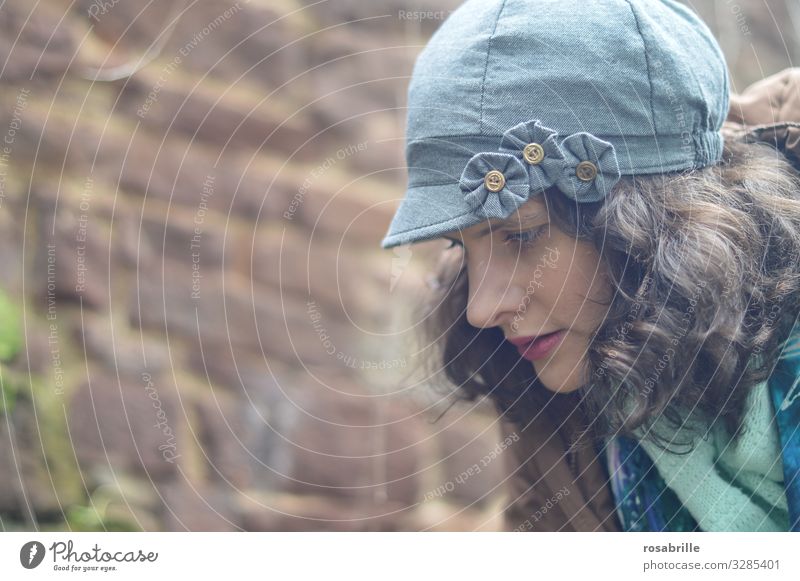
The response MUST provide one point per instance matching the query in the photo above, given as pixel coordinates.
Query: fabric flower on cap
(537, 147)
(590, 169)
(494, 184)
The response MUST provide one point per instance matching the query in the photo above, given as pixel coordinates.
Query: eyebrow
(522, 220)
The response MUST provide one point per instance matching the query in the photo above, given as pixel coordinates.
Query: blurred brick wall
(194, 254)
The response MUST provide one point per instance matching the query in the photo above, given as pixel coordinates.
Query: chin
(554, 379)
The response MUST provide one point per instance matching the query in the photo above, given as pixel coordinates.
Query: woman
(595, 202)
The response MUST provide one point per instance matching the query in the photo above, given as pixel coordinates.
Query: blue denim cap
(511, 97)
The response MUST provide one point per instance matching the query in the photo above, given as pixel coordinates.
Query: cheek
(576, 281)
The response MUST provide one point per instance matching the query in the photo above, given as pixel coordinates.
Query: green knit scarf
(730, 485)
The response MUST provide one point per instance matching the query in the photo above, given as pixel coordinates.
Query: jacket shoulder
(544, 493)
(768, 111)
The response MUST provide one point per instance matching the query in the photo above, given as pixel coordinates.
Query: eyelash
(527, 237)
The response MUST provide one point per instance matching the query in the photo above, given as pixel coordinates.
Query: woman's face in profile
(529, 278)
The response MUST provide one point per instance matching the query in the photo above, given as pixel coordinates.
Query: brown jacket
(550, 490)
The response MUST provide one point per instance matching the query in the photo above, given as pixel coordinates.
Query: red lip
(523, 341)
(538, 347)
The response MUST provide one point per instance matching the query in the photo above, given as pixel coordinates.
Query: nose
(495, 297)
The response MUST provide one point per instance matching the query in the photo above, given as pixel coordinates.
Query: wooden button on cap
(494, 181)
(533, 153)
(586, 171)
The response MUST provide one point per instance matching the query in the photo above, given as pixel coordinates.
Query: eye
(453, 244)
(526, 237)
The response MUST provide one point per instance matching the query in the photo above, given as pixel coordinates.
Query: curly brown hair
(705, 275)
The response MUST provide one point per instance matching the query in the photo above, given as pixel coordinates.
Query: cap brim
(428, 212)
